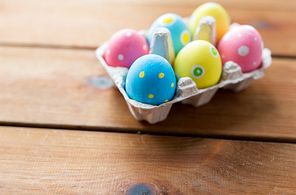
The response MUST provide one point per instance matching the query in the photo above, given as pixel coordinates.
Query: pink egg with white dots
(242, 45)
(125, 47)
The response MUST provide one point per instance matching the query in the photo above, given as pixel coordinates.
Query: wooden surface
(88, 23)
(77, 162)
(56, 88)
(56, 100)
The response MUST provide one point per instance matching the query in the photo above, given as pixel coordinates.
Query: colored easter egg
(211, 9)
(179, 31)
(151, 80)
(242, 45)
(125, 47)
(200, 61)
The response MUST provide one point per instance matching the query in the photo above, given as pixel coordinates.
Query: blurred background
(88, 23)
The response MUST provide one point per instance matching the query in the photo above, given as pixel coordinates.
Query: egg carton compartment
(186, 92)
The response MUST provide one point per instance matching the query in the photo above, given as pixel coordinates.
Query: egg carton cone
(162, 44)
(186, 92)
(206, 30)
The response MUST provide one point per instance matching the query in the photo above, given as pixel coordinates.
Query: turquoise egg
(179, 31)
(151, 80)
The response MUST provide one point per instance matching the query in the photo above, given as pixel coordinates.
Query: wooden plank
(89, 23)
(40, 161)
(59, 88)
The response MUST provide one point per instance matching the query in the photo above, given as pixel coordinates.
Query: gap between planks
(46, 46)
(131, 131)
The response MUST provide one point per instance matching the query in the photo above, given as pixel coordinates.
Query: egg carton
(186, 91)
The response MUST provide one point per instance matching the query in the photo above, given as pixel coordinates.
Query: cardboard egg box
(186, 91)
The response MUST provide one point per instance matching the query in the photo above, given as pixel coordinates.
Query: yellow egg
(200, 61)
(211, 9)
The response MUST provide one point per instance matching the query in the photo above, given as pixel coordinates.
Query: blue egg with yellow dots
(174, 23)
(151, 80)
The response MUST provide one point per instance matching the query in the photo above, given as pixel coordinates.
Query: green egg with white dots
(200, 61)
(151, 80)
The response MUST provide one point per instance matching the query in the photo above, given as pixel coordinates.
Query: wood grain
(55, 81)
(40, 161)
(89, 23)
(58, 88)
